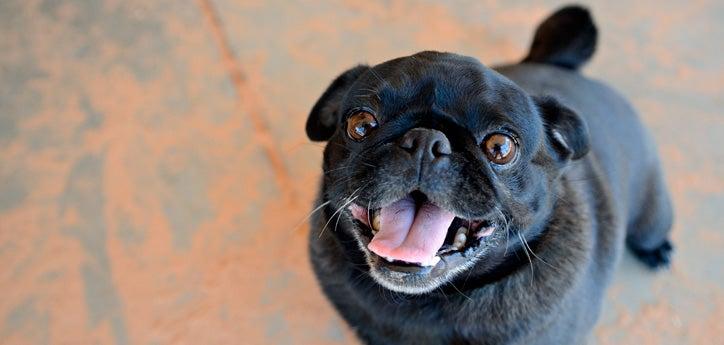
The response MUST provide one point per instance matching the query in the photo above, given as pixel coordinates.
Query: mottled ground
(154, 173)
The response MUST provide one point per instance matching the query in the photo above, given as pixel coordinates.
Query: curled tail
(566, 39)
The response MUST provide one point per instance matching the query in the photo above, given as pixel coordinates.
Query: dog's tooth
(459, 242)
(376, 222)
(460, 238)
(433, 261)
(485, 232)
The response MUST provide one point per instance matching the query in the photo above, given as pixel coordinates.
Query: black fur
(567, 39)
(586, 181)
(323, 120)
(573, 140)
(654, 258)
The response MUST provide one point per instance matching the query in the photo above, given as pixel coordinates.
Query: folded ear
(565, 129)
(322, 121)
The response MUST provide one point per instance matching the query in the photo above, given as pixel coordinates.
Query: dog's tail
(567, 38)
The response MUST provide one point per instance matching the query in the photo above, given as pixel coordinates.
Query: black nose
(425, 144)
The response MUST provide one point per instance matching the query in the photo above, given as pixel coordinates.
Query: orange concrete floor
(154, 172)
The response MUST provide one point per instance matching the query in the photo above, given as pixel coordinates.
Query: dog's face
(437, 164)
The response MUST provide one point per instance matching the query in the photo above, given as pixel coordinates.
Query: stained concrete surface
(154, 173)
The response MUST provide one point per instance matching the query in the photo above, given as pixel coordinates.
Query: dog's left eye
(499, 148)
(360, 124)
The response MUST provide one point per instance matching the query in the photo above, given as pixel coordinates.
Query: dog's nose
(425, 144)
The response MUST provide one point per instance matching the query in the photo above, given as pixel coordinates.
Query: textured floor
(154, 173)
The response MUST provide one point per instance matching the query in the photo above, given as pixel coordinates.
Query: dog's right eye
(360, 124)
(499, 148)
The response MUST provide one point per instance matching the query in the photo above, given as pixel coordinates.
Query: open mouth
(415, 232)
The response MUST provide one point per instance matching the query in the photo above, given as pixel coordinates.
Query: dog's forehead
(443, 71)
(454, 84)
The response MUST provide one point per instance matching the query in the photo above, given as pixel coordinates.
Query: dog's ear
(566, 130)
(322, 121)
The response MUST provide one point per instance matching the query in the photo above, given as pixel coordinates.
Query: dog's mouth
(412, 233)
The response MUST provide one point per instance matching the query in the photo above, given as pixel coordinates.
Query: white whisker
(335, 213)
(525, 242)
(310, 214)
(525, 250)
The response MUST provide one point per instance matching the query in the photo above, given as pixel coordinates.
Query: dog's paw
(659, 257)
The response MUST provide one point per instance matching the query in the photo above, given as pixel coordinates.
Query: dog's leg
(648, 233)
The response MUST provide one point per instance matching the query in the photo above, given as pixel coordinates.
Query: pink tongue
(409, 236)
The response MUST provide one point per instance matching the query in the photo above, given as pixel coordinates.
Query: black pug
(467, 205)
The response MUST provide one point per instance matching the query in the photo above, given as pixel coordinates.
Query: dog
(461, 204)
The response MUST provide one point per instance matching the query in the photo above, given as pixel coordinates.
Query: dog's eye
(360, 124)
(499, 148)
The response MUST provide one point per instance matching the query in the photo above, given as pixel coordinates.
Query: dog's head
(436, 163)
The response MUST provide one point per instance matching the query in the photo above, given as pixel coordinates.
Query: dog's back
(620, 145)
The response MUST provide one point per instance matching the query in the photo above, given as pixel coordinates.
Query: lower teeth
(485, 232)
(432, 261)
(375, 222)
(459, 241)
(460, 238)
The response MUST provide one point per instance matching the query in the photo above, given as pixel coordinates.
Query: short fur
(587, 181)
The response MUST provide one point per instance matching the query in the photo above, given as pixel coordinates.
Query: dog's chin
(451, 260)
